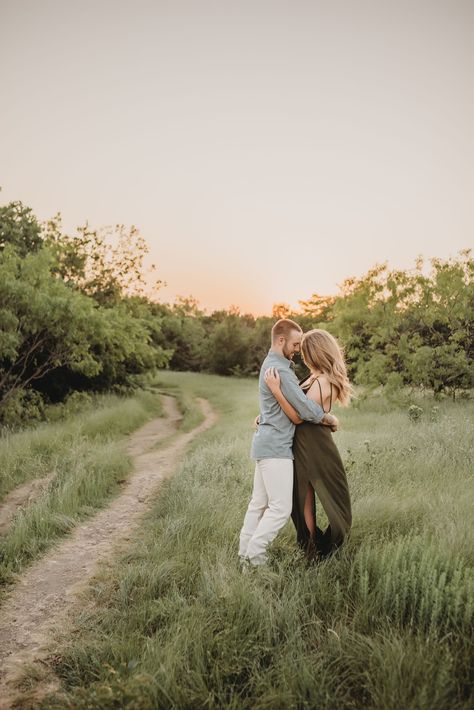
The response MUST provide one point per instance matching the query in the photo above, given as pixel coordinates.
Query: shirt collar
(284, 360)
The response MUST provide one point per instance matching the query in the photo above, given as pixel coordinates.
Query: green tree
(107, 263)
(405, 323)
(228, 346)
(44, 324)
(182, 332)
(19, 228)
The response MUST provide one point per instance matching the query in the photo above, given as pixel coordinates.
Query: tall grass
(385, 623)
(32, 453)
(87, 465)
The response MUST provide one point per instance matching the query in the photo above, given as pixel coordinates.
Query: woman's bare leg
(309, 515)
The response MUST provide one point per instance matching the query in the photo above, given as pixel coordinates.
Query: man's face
(292, 344)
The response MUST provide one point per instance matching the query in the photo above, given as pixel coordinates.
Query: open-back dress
(318, 463)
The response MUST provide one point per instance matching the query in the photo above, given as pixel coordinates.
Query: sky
(265, 149)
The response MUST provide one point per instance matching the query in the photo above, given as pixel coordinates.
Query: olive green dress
(318, 462)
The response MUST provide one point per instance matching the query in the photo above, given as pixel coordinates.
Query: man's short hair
(284, 327)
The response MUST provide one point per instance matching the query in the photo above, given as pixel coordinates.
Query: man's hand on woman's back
(331, 421)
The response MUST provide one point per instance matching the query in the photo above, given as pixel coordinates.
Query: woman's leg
(309, 511)
(318, 543)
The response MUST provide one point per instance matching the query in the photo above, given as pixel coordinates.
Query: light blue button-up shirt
(274, 436)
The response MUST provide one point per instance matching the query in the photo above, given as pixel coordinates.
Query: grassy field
(386, 623)
(86, 464)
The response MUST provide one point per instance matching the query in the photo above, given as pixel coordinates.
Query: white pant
(269, 508)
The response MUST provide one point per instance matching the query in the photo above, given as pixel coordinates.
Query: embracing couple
(292, 463)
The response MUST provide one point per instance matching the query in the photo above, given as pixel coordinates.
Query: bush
(415, 412)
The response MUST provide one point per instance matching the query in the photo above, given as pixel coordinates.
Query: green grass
(33, 453)
(386, 623)
(87, 464)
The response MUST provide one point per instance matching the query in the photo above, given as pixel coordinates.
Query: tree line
(75, 317)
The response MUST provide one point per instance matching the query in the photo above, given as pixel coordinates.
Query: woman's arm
(274, 385)
(272, 379)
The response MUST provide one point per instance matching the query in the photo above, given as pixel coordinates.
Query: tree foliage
(75, 315)
(106, 263)
(418, 326)
(65, 326)
(19, 228)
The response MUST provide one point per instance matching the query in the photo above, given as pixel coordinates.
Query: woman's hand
(256, 422)
(272, 378)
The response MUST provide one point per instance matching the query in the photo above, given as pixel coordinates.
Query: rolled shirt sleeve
(307, 409)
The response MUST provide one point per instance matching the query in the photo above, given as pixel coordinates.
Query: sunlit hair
(321, 351)
(284, 327)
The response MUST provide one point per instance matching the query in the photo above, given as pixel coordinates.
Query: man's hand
(331, 421)
(256, 422)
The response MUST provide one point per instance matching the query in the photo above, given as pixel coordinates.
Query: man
(271, 502)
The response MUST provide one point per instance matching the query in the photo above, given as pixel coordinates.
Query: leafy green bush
(415, 412)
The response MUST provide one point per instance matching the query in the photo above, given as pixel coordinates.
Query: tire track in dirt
(48, 588)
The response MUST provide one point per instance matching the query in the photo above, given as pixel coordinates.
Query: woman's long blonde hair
(321, 351)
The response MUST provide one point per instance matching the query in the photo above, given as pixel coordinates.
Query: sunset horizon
(264, 151)
(159, 290)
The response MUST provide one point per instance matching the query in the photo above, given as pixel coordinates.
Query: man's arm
(307, 409)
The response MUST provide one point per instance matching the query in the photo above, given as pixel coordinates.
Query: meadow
(79, 456)
(385, 623)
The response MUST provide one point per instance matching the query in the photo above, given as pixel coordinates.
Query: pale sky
(266, 149)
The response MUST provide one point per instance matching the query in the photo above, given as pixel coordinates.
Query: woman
(317, 464)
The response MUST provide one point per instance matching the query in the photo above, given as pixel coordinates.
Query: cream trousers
(269, 508)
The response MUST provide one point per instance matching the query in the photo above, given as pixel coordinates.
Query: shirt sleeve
(307, 409)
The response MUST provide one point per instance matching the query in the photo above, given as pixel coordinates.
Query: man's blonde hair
(284, 327)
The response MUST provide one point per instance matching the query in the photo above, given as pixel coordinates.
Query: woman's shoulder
(322, 382)
(324, 379)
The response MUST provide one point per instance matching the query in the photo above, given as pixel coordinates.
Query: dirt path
(48, 588)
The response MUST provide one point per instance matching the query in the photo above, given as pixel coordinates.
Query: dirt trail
(47, 588)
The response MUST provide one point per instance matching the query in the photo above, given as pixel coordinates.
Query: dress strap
(321, 395)
(320, 392)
